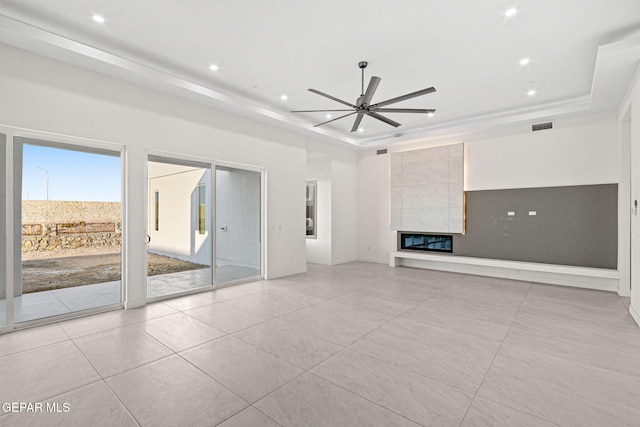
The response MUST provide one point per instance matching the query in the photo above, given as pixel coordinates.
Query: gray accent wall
(573, 225)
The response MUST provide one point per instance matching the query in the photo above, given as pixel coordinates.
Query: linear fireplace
(426, 242)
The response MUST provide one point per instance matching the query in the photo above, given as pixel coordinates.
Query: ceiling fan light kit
(363, 106)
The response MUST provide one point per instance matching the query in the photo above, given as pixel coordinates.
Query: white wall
(344, 209)
(629, 119)
(45, 95)
(335, 169)
(319, 170)
(579, 151)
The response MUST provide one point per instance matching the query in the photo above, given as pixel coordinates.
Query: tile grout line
(105, 382)
(341, 350)
(531, 285)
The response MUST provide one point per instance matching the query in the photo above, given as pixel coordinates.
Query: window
(312, 210)
(156, 209)
(202, 208)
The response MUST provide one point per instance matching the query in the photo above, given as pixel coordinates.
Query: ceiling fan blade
(332, 98)
(333, 120)
(383, 119)
(404, 110)
(404, 97)
(371, 89)
(356, 124)
(315, 111)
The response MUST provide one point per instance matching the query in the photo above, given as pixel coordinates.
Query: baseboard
(374, 260)
(129, 304)
(581, 277)
(624, 292)
(635, 315)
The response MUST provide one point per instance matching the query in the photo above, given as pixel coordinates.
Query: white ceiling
(583, 54)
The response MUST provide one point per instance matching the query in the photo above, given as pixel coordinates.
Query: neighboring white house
(180, 214)
(180, 211)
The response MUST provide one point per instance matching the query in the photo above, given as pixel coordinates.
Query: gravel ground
(47, 270)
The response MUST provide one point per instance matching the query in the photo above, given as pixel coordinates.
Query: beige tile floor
(352, 345)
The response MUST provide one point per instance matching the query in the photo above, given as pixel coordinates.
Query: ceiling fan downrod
(362, 65)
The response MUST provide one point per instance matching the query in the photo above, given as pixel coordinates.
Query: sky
(73, 175)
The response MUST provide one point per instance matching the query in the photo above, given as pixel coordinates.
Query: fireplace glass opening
(426, 242)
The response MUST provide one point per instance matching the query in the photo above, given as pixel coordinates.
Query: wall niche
(427, 190)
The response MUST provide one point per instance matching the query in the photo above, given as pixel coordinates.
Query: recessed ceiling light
(284, 97)
(213, 67)
(429, 114)
(531, 92)
(510, 12)
(360, 130)
(524, 61)
(99, 19)
(328, 116)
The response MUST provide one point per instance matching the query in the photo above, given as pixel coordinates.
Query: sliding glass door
(179, 226)
(70, 229)
(3, 231)
(238, 225)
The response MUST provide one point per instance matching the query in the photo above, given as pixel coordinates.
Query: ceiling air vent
(382, 151)
(541, 126)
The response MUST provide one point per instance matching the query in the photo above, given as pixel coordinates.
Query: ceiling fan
(363, 106)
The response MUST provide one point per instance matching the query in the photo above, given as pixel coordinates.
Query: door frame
(13, 215)
(212, 163)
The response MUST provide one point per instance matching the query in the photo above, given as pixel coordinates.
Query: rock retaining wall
(54, 225)
(69, 236)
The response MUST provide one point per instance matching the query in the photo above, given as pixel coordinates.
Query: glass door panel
(238, 219)
(3, 230)
(71, 229)
(179, 218)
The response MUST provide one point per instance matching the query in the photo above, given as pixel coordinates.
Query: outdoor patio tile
(172, 392)
(44, 372)
(311, 401)
(91, 405)
(244, 369)
(28, 339)
(179, 331)
(37, 306)
(77, 302)
(117, 350)
(90, 325)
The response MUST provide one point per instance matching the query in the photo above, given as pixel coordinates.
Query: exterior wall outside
(178, 232)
